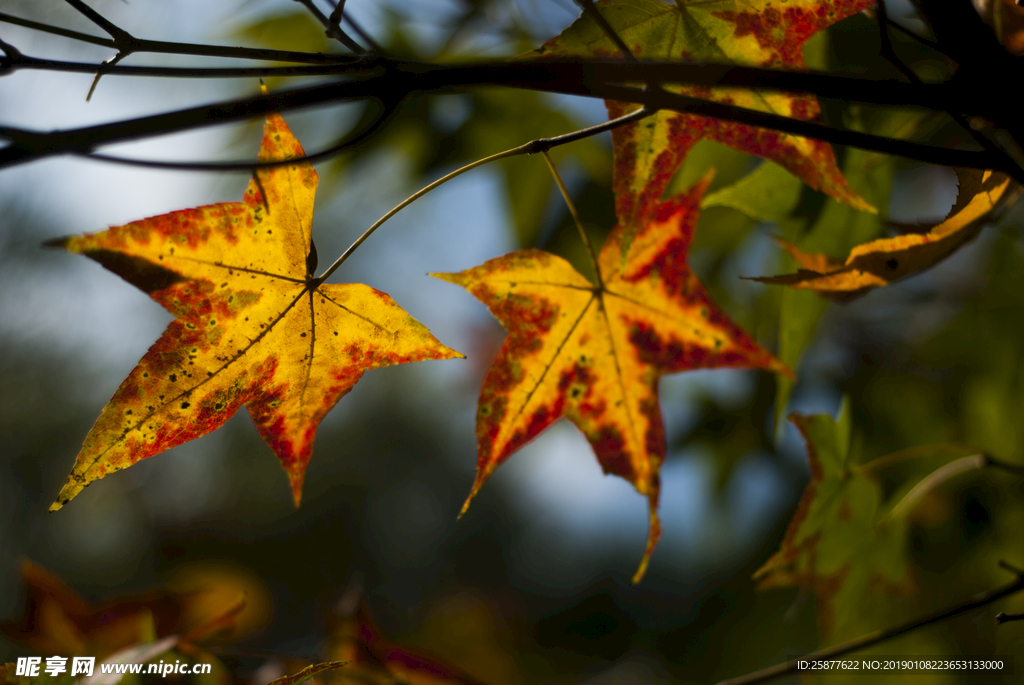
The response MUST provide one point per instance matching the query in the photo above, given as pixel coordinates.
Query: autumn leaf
(56, 620)
(880, 262)
(840, 543)
(253, 326)
(595, 353)
(373, 659)
(754, 33)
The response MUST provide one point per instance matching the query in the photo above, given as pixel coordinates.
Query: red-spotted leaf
(749, 32)
(253, 326)
(594, 353)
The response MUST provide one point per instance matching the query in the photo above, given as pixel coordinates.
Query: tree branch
(339, 14)
(333, 29)
(976, 602)
(192, 49)
(56, 30)
(394, 78)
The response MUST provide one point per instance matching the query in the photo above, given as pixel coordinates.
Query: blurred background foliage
(533, 584)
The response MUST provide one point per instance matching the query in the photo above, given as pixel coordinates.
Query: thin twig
(791, 666)
(364, 34)
(351, 139)
(351, 65)
(122, 39)
(540, 145)
(333, 30)
(338, 14)
(888, 52)
(533, 147)
(56, 30)
(1003, 617)
(126, 43)
(576, 219)
(920, 39)
(909, 453)
(192, 49)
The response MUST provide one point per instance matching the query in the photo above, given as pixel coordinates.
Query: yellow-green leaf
(839, 543)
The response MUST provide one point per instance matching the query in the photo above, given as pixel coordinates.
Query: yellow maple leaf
(880, 262)
(253, 326)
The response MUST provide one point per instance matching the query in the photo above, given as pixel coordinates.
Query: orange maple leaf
(253, 327)
(594, 353)
(648, 153)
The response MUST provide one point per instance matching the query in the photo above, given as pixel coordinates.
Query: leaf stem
(575, 217)
(541, 145)
(934, 479)
(408, 201)
(871, 639)
(911, 453)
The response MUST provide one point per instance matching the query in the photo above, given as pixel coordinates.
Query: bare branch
(122, 39)
(394, 78)
(193, 49)
(333, 28)
(339, 14)
(1003, 617)
(56, 30)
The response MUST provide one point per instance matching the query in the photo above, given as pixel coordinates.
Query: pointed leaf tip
(653, 535)
(57, 243)
(456, 277)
